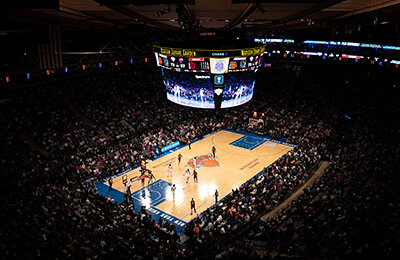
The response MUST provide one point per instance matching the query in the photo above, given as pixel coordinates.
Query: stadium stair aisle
(127, 101)
(85, 119)
(318, 173)
(33, 145)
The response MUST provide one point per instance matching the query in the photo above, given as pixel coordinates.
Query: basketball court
(239, 157)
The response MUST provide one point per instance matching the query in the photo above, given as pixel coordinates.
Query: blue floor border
(118, 196)
(266, 138)
(156, 214)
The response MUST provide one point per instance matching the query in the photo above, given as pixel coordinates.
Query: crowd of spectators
(349, 212)
(63, 136)
(331, 218)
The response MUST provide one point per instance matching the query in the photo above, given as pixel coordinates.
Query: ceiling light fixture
(261, 9)
(164, 12)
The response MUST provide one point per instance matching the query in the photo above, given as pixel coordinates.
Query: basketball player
(169, 171)
(179, 158)
(195, 176)
(195, 162)
(150, 176)
(216, 196)
(110, 182)
(143, 165)
(202, 95)
(173, 189)
(213, 151)
(127, 192)
(142, 172)
(187, 175)
(189, 143)
(239, 93)
(192, 207)
(177, 91)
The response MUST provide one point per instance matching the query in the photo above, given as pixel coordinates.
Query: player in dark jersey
(195, 176)
(142, 173)
(192, 207)
(179, 157)
(213, 151)
(150, 176)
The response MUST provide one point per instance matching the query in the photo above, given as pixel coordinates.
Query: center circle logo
(219, 66)
(206, 160)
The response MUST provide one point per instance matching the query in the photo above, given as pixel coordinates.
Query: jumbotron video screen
(189, 89)
(238, 88)
(209, 79)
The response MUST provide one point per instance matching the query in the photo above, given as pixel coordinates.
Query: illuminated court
(239, 157)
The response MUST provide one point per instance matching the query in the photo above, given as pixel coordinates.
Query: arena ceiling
(204, 14)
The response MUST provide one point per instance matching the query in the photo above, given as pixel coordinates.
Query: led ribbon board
(192, 53)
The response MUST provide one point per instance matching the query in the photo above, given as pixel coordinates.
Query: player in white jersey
(202, 95)
(187, 175)
(173, 189)
(169, 171)
(239, 92)
(195, 162)
(177, 91)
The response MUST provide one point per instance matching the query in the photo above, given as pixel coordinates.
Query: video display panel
(189, 89)
(182, 64)
(245, 63)
(238, 88)
(213, 65)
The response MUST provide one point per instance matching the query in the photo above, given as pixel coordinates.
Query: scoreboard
(209, 79)
(181, 64)
(206, 64)
(245, 63)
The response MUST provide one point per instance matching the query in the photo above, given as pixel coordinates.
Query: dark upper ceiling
(207, 14)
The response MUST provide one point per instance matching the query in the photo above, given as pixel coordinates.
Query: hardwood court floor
(239, 158)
